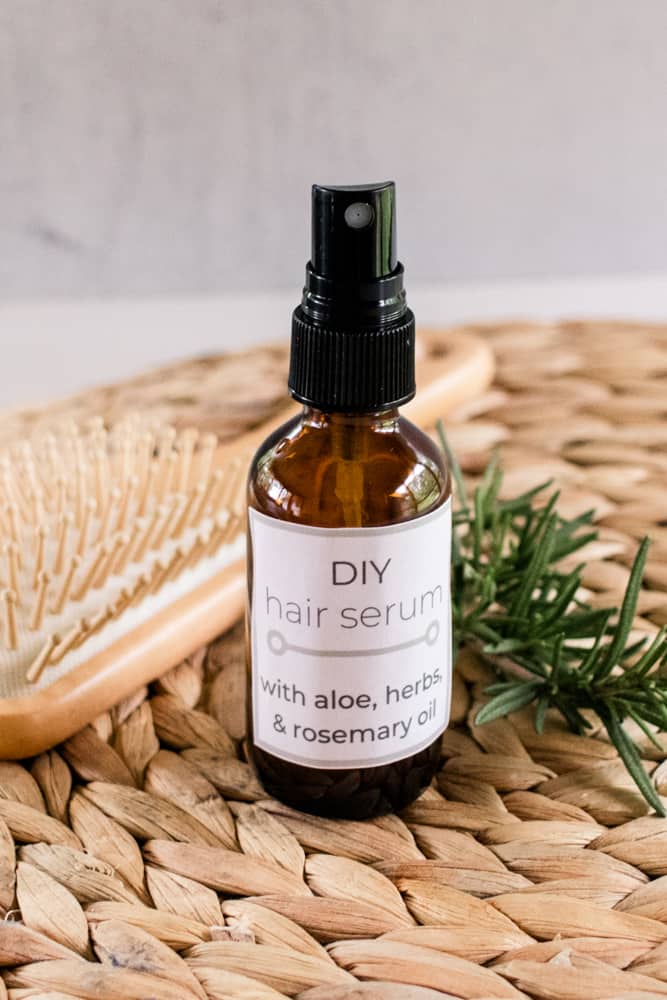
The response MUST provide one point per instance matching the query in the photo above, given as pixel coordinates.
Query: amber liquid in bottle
(333, 471)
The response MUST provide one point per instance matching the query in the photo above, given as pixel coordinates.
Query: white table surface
(54, 348)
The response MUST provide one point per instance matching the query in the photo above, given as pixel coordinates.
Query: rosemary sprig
(512, 600)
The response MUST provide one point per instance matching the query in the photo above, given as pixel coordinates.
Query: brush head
(100, 529)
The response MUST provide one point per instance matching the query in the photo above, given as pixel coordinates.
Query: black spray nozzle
(353, 277)
(353, 336)
(354, 232)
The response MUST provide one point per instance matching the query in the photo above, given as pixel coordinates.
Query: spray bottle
(349, 532)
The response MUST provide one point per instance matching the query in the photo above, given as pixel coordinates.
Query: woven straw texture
(142, 860)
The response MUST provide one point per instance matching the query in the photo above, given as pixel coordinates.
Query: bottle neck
(370, 304)
(373, 420)
(348, 436)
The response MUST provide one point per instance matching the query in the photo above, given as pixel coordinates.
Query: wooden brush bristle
(94, 520)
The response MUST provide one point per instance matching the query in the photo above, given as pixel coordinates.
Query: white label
(351, 639)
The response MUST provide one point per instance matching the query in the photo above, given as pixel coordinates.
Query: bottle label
(350, 639)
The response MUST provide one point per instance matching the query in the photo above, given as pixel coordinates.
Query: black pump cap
(354, 232)
(353, 334)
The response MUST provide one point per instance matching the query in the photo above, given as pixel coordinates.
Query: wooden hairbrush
(122, 551)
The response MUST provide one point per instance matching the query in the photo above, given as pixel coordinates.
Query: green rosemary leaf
(478, 525)
(650, 735)
(576, 721)
(506, 646)
(540, 557)
(524, 500)
(587, 665)
(499, 686)
(656, 715)
(656, 651)
(508, 701)
(627, 614)
(453, 465)
(507, 622)
(634, 648)
(581, 624)
(544, 516)
(629, 754)
(540, 714)
(573, 524)
(569, 537)
(566, 548)
(556, 664)
(533, 665)
(489, 487)
(570, 584)
(480, 630)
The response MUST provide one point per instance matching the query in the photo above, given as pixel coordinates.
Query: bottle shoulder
(349, 474)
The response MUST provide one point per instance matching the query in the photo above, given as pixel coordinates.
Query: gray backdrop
(169, 145)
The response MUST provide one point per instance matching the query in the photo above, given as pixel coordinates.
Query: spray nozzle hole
(359, 215)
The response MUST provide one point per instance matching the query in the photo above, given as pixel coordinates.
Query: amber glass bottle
(349, 632)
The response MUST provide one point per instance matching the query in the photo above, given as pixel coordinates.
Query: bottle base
(358, 793)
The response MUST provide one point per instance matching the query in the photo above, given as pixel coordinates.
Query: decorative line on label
(279, 645)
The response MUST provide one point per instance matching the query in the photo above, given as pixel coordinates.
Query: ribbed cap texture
(352, 371)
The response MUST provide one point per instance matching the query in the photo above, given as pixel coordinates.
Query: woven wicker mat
(144, 861)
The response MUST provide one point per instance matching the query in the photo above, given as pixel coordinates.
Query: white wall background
(154, 146)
